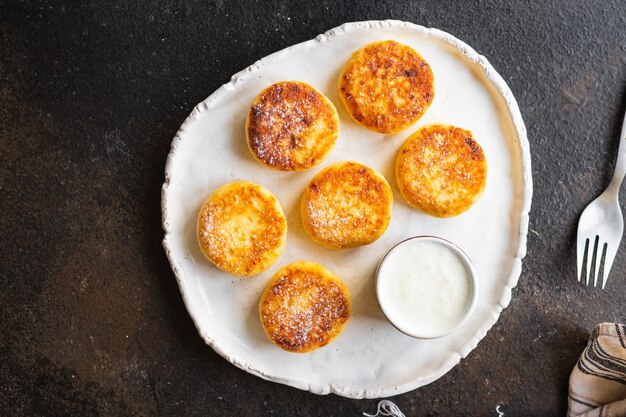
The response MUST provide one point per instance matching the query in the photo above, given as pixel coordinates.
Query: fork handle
(620, 163)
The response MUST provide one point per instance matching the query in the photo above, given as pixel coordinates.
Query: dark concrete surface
(91, 94)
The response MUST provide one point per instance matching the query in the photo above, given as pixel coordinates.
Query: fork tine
(592, 260)
(600, 263)
(581, 258)
(588, 255)
(600, 267)
(606, 266)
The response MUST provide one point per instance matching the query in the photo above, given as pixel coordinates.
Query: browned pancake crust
(242, 228)
(304, 307)
(441, 170)
(291, 126)
(346, 205)
(386, 86)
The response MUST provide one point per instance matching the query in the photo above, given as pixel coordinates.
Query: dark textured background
(91, 94)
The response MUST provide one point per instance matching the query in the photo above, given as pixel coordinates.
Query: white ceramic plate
(370, 358)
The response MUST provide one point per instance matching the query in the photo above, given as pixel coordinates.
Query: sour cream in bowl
(426, 287)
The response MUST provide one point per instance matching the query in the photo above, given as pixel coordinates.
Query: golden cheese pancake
(304, 307)
(441, 170)
(291, 126)
(346, 205)
(242, 228)
(386, 86)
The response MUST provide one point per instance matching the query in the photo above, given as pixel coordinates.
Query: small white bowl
(422, 323)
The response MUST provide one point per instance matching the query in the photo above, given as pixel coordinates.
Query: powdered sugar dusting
(291, 126)
(304, 307)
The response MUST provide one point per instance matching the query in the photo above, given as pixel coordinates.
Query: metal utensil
(601, 226)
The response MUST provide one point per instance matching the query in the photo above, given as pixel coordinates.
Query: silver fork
(601, 226)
